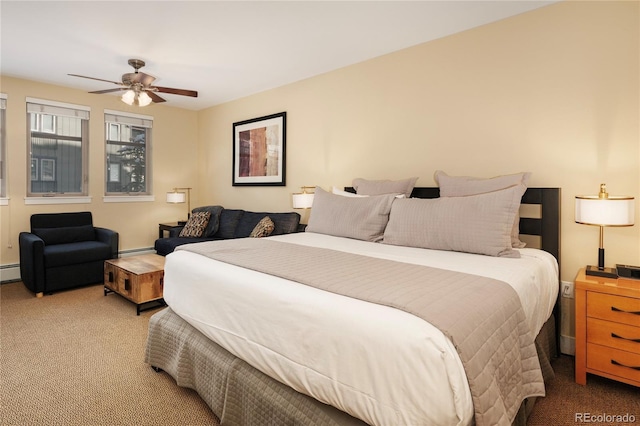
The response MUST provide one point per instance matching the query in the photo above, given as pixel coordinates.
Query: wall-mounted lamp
(604, 210)
(304, 199)
(177, 197)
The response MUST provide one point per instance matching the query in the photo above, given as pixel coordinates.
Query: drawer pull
(614, 362)
(614, 309)
(615, 336)
(110, 276)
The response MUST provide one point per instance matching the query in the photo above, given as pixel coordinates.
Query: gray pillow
(478, 224)
(460, 186)
(361, 218)
(379, 187)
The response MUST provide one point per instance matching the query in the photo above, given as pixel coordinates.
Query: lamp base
(601, 272)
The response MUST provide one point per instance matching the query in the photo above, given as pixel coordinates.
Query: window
(3, 172)
(58, 148)
(127, 153)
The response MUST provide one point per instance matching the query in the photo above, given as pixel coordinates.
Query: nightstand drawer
(625, 310)
(613, 361)
(612, 334)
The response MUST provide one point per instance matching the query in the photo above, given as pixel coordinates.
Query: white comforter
(377, 363)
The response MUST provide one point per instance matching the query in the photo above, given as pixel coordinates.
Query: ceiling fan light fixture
(128, 97)
(138, 87)
(143, 99)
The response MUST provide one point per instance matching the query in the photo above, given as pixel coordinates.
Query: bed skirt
(239, 394)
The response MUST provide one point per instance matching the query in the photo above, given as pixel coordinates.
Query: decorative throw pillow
(361, 218)
(264, 228)
(195, 225)
(460, 186)
(478, 224)
(378, 187)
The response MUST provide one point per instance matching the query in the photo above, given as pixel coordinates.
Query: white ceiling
(223, 49)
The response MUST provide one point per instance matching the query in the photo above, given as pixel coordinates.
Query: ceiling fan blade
(182, 92)
(109, 90)
(155, 98)
(93, 78)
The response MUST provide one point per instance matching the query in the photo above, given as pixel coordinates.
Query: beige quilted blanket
(483, 317)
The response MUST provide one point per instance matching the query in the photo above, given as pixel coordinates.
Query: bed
(261, 345)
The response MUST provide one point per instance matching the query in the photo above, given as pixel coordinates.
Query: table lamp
(604, 210)
(176, 197)
(303, 200)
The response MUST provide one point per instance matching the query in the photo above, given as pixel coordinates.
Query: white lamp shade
(128, 97)
(144, 99)
(176, 197)
(302, 201)
(612, 211)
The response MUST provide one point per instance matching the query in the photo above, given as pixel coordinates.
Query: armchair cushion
(74, 253)
(66, 234)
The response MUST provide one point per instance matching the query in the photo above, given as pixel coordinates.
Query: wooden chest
(137, 278)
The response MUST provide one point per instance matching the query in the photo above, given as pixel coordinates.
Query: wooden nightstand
(607, 328)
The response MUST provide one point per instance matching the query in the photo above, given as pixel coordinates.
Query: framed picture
(259, 151)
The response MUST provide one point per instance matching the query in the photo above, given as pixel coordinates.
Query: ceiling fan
(137, 85)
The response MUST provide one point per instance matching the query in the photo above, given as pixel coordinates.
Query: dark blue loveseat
(229, 223)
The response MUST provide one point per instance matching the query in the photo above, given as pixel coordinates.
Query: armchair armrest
(32, 261)
(110, 237)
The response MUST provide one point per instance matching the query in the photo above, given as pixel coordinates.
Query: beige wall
(553, 91)
(174, 145)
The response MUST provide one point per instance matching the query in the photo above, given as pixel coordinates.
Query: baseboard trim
(135, 252)
(11, 273)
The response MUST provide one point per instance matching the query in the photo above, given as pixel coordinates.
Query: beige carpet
(76, 358)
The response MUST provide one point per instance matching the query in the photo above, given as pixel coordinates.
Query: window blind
(128, 118)
(39, 106)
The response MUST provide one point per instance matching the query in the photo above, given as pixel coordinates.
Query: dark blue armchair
(64, 250)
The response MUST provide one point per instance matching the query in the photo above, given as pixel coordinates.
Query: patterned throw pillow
(196, 224)
(264, 228)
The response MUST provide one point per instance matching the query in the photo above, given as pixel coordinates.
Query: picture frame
(259, 151)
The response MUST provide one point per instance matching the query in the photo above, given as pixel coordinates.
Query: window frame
(35, 108)
(119, 118)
